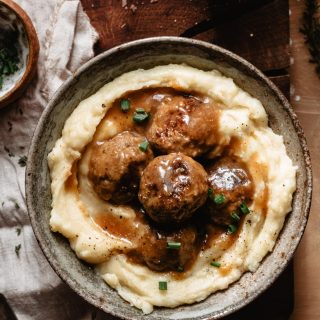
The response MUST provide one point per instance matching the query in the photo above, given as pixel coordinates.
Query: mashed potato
(76, 207)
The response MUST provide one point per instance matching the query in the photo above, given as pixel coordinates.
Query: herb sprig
(311, 31)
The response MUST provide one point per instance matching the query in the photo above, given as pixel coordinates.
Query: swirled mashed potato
(82, 216)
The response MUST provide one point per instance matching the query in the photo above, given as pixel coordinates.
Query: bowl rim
(33, 46)
(171, 40)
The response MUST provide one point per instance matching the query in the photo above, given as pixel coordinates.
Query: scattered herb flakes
(215, 264)
(311, 30)
(174, 245)
(244, 208)
(16, 205)
(143, 146)
(17, 250)
(9, 57)
(163, 285)
(232, 228)
(219, 199)
(10, 154)
(235, 217)
(216, 198)
(140, 115)
(23, 161)
(125, 105)
(18, 231)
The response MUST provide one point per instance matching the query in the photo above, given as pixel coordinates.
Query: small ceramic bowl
(14, 19)
(146, 54)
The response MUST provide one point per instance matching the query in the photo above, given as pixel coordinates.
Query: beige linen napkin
(29, 284)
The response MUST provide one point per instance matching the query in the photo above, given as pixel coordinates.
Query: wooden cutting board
(256, 30)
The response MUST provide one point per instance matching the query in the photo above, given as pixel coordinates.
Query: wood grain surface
(305, 97)
(262, 37)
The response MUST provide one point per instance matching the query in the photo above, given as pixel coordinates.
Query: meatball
(184, 123)
(172, 187)
(116, 166)
(157, 254)
(230, 185)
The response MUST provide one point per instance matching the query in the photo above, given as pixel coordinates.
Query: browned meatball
(156, 253)
(184, 123)
(116, 166)
(172, 187)
(230, 185)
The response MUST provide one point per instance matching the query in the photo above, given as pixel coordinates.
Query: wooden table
(260, 35)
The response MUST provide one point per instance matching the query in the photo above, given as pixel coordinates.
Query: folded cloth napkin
(27, 281)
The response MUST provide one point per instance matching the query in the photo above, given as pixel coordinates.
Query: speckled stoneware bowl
(148, 53)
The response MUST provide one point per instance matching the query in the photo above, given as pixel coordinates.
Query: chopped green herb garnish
(140, 115)
(16, 205)
(17, 250)
(216, 264)
(174, 245)
(125, 105)
(163, 285)
(9, 56)
(140, 110)
(180, 269)
(143, 146)
(23, 161)
(235, 217)
(232, 228)
(219, 198)
(244, 208)
(18, 231)
(210, 192)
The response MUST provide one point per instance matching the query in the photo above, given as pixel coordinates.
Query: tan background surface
(305, 97)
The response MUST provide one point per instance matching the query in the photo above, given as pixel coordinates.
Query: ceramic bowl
(14, 18)
(148, 53)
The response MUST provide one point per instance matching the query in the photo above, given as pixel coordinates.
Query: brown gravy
(149, 100)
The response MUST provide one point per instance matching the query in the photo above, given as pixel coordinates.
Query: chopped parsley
(244, 208)
(163, 285)
(216, 198)
(235, 217)
(9, 57)
(143, 146)
(215, 264)
(140, 115)
(232, 228)
(174, 245)
(125, 105)
(219, 199)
